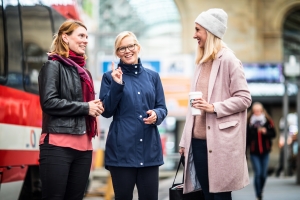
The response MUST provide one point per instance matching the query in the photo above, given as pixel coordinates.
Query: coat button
(208, 127)
(210, 151)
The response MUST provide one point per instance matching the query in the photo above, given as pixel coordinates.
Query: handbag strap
(181, 161)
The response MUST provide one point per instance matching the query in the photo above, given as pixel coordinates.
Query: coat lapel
(213, 74)
(212, 78)
(197, 72)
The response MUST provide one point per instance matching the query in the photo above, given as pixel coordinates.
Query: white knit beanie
(214, 20)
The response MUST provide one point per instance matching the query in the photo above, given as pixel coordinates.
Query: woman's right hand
(116, 73)
(95, 108)
(181, 151)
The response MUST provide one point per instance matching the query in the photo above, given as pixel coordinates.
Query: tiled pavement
(283, 188)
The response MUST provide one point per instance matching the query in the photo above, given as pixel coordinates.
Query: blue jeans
(260, 168)
(199, 148)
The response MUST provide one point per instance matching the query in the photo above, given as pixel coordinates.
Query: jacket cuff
(85, 108)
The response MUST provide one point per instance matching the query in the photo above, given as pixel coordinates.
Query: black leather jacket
(61, 99)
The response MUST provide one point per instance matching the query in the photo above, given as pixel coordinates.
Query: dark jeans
(125, 178)
(260, 168)
(281, 162)
(199, 148)
(64, 172)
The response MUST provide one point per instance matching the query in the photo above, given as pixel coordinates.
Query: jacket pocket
(67, 122)
(225, 125)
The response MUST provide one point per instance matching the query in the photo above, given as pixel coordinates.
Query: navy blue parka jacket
(131, 142)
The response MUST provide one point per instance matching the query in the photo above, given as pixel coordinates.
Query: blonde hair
(250, 113)
(212, 46)
(59, 46)
(121, 36)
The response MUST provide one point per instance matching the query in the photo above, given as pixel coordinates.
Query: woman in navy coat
(134, 97)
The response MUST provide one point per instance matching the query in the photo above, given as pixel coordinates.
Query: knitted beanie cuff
(212, 24)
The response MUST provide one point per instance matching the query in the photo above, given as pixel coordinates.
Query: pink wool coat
(226, 130)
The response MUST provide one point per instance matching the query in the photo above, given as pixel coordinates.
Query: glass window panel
(2, 50)
(58, 19)
(161, 23)
(37, 38)
(15, 75)
(291, 34)
(159, 10)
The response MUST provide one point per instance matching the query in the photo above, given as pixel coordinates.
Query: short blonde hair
(59, 46)
(212, 46)
(121, 36)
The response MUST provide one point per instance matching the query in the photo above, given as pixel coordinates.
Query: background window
(14, 47)
(2, 50)
(37, 38)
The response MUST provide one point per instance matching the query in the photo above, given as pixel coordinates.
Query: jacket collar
(213, 73)
(220, 53)
(70, 62)
(132, 69)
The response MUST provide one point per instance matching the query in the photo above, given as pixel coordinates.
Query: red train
(26, 31)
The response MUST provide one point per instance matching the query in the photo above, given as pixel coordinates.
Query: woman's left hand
(152, 117)
(203, 105)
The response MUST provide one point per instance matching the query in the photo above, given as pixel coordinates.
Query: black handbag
(176, 191)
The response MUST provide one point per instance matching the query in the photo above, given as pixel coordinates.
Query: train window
(2, 47)
(14, 47)
(58, 19)
(37, 38)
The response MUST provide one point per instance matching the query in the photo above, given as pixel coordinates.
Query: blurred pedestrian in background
(260, 132)
(214, 143)
(292, 144)
(67, 98)
(134, 97)
(281, 154)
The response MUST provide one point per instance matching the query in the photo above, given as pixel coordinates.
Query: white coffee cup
(192, 96)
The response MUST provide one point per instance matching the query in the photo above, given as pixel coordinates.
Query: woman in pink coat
(214, 143)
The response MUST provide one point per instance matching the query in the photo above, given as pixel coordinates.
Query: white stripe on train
(16, 137)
